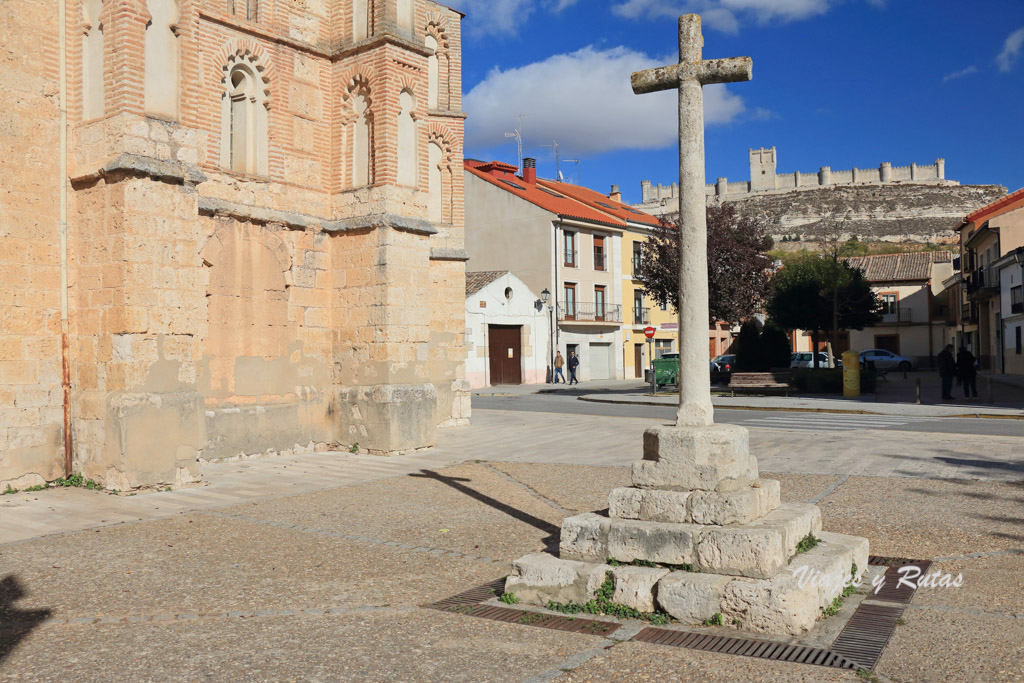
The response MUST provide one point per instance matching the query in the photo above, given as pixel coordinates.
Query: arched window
(433, 74)
(244, 119)
(360, 20)
(93, 104)
(406, 139)
(161, 59)
(362, 140)
(435, 189)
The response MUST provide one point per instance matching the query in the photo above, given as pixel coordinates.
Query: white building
(507, 331)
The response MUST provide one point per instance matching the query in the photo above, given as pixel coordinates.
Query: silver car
(886, 360)
(805, 359)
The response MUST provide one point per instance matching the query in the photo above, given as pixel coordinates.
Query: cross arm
(729, 70)
(653, 80)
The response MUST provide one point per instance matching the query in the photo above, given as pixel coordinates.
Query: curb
(797, 409)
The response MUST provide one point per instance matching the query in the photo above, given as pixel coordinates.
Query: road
(757, 419)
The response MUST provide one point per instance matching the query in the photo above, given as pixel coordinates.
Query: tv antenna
(517, 133)
(579, 176)
(558, 163)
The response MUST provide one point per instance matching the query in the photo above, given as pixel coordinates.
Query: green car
(666, 369)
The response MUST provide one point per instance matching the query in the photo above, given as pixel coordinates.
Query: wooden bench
(754, 381)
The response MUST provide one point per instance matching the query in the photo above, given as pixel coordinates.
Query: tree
(822, 294)
(748, 348)
(739, 277)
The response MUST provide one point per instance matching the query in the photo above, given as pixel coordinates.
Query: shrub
(828, 381)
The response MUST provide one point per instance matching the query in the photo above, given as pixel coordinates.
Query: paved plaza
(318, 567)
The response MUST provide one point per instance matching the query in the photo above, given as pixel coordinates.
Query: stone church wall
(232, 296)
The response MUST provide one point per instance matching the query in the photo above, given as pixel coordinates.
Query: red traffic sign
(649, 332)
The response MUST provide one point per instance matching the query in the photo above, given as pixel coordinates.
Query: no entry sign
(649, 332)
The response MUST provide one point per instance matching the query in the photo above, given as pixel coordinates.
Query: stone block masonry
(257, 263)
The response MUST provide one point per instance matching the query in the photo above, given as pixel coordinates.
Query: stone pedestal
(720, 539)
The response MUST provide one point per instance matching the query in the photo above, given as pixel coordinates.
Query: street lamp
(544, 296)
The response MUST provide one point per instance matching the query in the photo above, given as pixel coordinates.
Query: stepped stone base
(724, 542)
(789, 602)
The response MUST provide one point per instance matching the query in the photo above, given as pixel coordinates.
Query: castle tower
(762, 169)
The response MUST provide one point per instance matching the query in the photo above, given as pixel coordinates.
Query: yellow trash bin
(851, 374)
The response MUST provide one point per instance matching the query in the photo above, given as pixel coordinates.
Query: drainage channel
(859, 645)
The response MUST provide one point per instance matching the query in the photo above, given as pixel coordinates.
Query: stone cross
(689, 76)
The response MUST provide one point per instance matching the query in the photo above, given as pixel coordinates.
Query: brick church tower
(227, 228)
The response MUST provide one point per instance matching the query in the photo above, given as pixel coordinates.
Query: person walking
(559, 362)
(574, 363)
(967, 373)
(947, 370)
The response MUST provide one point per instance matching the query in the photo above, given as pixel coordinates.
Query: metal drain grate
(745, 647)
(883, 561)
(867, 633)
(892, 590)
(473, 596)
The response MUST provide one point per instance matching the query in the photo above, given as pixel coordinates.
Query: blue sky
(836, 83)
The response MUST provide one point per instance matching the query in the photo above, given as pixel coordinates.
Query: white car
(805, 359)
(886, 360)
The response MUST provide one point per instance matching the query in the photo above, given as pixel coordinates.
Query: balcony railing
(641, 316)
(571, 258)
(901, 315)
(982, 279)
(590, 312)
(599, 261)
(637, 267)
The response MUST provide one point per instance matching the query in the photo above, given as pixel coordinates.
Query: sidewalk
(893, 397)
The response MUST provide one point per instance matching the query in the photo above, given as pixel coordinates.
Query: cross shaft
(689, 75)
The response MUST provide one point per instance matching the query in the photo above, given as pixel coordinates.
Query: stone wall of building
(31, 394)
(246, 273)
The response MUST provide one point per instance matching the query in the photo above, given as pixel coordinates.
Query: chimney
(530, 171)
(615, 195)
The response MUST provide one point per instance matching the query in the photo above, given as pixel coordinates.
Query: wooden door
(505, 352)
(638, 359)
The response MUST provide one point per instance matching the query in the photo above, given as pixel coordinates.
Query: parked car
(666, 368)
(805, 359)
(725, 362)
(886, 360)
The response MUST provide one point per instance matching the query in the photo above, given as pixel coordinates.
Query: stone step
(709, 458)
(698, 507)
(788, 603)
(758, 549)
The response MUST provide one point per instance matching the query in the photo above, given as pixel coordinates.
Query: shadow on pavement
(15, 624)
(552, 531)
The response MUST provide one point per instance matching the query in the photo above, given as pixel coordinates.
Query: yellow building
(644, 311)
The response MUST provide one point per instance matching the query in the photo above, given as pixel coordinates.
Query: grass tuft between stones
(806, 543)
(612, 562)
(602, 604)
(849, 590)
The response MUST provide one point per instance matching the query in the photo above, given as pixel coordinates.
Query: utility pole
(518, 135)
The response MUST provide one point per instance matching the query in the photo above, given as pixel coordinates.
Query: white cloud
(584, 101)
(726, 15)
(502, 17)
(1011, 50)
(960, 74)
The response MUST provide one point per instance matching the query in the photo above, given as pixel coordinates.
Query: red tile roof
(601, 202)
(544, 194)
(998, 206)
(899, 267)
(478, 280)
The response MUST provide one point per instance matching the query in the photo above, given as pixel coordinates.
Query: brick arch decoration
(246, 49)
(438, 135)
(437, 26)
(355, 81)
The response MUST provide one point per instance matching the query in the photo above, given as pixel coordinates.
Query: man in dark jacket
(574, 363)
(967, 372)
(947, 370)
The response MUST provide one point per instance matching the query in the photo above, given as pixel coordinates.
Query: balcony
(641, 316)
(637, 267)
(900, 316)
(571, 258)
(982, 282)
(589, 312)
